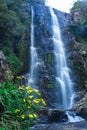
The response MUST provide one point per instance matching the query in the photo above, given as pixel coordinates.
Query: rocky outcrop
(81, 107)
(55, 115)
(78, 64)
(80, 11)
(5, 72)
(52, 115)
(44, 46)
(45, 50)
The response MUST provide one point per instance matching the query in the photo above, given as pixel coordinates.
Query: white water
(63, 80)
(72, 117)
(33, 54)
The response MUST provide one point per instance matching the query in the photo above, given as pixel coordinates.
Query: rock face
(45, 51)
(44, 47)
(81, 107)
(78, 64)
(80, 12)
(5, 72)
(79, 49)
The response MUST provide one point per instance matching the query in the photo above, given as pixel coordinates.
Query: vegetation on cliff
(78, 29)
(79, 17)
(15, 32)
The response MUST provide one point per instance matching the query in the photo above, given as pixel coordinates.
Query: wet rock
(78, 64)
(61, 126)
(78, 95)
(55, 115)
(52, 115)
(81, 107)
(83, 112)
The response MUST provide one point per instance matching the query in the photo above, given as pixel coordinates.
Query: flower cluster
(31, 101)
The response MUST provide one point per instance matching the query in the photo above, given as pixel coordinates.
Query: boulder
(81, 107)
(55, 115)
(83, 112)
(52, 115)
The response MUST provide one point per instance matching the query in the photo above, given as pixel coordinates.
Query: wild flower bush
(20, 106)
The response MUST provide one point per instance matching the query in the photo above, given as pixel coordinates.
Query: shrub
(20, 106)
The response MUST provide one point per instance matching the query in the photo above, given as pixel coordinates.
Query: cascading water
(33, 54)
(63, 80)
(62, 71)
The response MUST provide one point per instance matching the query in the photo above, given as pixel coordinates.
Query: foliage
(79, 27)
(20, 106)
(14, 63)
(14, 29)
(76, 5)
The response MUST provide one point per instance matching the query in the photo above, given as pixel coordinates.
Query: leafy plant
(14, 63)
(20, 106)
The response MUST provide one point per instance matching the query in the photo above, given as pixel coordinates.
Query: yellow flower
(30, 97)
(17, 110)
(42, 100)
(29, 107)
(35, 115)
(30, 91)
(18, 77)
(36, 90)
(24, 100)
(28, 87)
(20, 88)
(29, 101)
(36, 100)
(22, 116)
(30, 115)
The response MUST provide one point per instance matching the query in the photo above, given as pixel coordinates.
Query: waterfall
(62, 77)
(33, 54)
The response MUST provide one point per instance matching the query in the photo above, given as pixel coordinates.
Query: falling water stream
(63, 80)
(62, 71)
(33, 54)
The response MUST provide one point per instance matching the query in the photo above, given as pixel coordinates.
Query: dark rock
(78, 95)
(55, 115)
(77, 64)
(57, 126)
(81, 107)
(83, 112)
(52, 115)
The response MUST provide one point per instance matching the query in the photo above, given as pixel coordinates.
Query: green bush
(14, 63)
(20, 106)
(14, 34)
